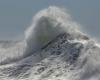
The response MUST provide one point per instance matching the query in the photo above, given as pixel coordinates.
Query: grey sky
(16, 15)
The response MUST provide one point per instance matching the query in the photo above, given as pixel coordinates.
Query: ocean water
(54, 48)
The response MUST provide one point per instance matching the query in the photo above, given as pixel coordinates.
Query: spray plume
(47, 24)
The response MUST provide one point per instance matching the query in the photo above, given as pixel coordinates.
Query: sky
(16, 15)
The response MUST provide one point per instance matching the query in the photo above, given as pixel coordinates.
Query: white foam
(46, 25)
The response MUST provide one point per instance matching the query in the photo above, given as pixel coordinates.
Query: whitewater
(54, 48)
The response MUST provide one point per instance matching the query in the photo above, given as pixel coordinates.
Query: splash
(47, 24)
(77, 58)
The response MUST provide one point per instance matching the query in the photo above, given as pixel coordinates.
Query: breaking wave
(46, 25)
(17, 59)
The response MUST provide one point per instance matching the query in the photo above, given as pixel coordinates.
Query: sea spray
(77, 58)
(46, 25)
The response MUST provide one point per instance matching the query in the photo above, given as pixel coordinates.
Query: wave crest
(47, 24)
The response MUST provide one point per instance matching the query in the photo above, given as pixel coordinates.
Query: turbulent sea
(54, 48)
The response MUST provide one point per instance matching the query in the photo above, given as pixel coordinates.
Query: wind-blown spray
(47, 24)
(71, 56)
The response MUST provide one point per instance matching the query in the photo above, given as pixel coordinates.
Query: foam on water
(47, 24)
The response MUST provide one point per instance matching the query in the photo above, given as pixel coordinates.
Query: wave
(54, 48)
(46, 25)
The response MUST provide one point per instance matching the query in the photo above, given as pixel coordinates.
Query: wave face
(47, 24)
(53, 49)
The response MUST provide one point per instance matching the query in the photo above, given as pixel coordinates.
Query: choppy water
(53, 49)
